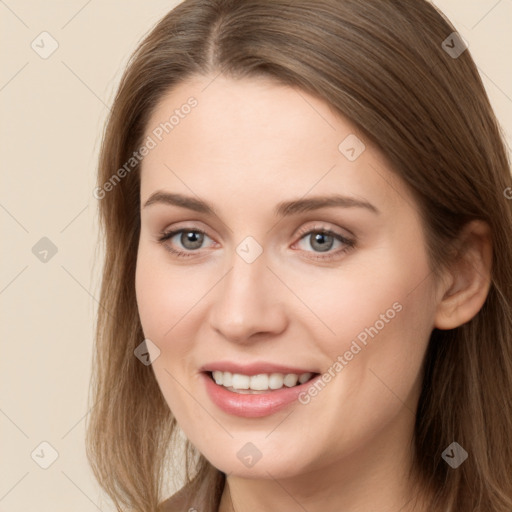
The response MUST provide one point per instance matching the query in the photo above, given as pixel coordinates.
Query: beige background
(52, 113)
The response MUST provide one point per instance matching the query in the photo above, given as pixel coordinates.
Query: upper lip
(253, 368)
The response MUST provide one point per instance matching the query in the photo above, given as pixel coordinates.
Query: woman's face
(264, 294)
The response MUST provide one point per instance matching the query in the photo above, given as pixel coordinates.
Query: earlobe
(469, 278)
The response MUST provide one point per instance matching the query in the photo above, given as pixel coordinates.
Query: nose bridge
(246, 301)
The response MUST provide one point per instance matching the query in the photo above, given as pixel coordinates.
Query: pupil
(319, 237)
(192, 237)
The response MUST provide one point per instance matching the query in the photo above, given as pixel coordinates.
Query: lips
(254, 404)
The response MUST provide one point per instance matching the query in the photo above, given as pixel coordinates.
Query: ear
(468, 279)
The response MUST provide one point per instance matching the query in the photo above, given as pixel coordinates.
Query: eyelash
(349, 243)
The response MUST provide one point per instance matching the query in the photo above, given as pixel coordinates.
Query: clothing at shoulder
(177, 502)
(188, 500)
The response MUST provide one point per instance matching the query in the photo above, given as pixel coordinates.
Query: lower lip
(252, 405)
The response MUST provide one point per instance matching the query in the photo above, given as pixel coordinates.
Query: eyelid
(171, 233)
(325, 227)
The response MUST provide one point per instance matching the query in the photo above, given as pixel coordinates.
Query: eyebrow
(283, 209)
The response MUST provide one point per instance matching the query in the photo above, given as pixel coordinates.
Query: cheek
(378, 317)
(375, 357)
(164, 296)
(165, 302)
(355, 299)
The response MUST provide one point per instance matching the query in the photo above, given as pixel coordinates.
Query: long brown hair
(386, 66)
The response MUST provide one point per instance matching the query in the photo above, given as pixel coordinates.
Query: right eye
(190, 239)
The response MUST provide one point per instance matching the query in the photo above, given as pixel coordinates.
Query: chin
(250, 462)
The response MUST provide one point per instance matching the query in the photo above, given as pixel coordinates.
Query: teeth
(290, 380)
(260, 382)
(305, 377)
(240, 381)
(227, 379)
(276, 381)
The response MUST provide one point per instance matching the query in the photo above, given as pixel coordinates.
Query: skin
(248, 145)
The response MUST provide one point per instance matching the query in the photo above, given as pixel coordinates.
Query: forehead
(244, 117)
(260, 139)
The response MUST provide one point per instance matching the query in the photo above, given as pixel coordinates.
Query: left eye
(323, 241)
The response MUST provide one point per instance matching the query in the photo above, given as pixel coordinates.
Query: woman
(246, 140)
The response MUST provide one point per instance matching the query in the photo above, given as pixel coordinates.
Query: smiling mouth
(260, 383)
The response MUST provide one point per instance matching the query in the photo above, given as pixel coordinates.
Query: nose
(249, 302)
